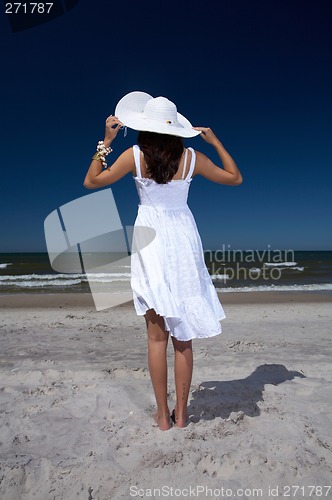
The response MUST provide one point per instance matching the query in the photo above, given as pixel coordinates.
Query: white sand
(76, 404)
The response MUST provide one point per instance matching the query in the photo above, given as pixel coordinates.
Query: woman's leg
(157, 359)
(183, 369)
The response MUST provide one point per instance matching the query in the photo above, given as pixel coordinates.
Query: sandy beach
(76, 402)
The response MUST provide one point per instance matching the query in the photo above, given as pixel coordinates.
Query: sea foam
(60, 279)
(280, 264)
(277, 288)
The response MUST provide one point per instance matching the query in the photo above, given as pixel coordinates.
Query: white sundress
(168, 272)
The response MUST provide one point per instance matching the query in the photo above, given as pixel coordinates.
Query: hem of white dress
(210, 335)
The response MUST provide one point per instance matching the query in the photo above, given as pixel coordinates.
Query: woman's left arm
(96, 177)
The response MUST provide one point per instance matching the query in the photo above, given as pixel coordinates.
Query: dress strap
(137, 159)
(192, 164)
(184, 164)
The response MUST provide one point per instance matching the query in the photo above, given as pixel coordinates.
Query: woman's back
(170, 195)
(168, 272)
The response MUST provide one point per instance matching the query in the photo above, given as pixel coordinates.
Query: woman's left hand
(112, 127)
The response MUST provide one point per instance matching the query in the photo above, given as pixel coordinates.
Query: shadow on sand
(220, 398)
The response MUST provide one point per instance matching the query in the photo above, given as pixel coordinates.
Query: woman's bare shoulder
(200, 162)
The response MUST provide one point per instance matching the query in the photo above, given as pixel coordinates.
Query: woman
(171, 284)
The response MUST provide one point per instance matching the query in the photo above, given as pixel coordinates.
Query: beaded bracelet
(102, 151)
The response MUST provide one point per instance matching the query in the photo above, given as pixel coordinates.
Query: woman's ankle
(181, 412)
(163, 421)
(164, 413)
(180, 417)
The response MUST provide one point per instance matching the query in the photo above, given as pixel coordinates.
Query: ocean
(230, 271)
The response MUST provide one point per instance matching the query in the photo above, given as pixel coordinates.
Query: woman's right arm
(96, 177)
(230, 174)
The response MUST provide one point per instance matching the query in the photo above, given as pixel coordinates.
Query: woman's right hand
(112, 127)
(208, 135)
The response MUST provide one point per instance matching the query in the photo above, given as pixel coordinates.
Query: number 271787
(28, 8)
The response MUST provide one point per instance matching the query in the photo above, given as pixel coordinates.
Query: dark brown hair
(162, 154)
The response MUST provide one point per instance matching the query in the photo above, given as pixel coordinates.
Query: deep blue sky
(259, 73)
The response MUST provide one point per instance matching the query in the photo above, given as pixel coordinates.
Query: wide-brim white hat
(140, 111)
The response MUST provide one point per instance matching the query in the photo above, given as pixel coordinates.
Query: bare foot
(164, 423)
(179, 421)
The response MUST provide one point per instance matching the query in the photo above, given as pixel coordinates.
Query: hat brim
(130, 109)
